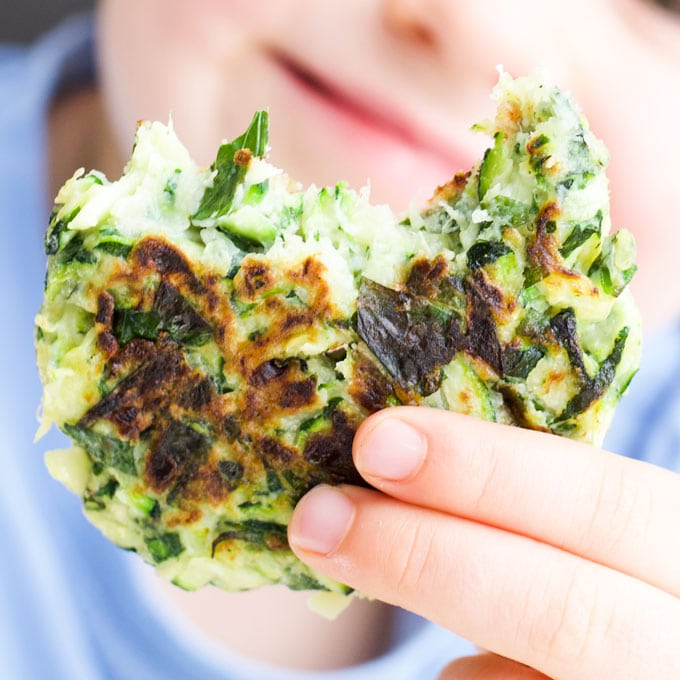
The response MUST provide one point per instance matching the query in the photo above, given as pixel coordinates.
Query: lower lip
(382, 148)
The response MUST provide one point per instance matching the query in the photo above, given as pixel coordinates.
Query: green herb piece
(265, 535)
(597, 386)
(315, 423)
(518, 363)
(171, 185)
(615, 266)
(408, 334)
(181, 321)
(273, 482)
(55, 231)
(581, 233)
(217, 199)
(564, 328)
(486, 252)
(537, 142)
(248, 505)
(145, 504)
(256, 193)
(231, 472)
(132, 323)
(75, 251)
(108, 451)
(108, 489)
(164, 546)
(509, 211)
(241, 308)
(251, 237)
(303, 582)
(492, 165)
(171, 313)
(115, 248)
(299, 485)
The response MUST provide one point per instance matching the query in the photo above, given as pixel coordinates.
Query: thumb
(489, 667)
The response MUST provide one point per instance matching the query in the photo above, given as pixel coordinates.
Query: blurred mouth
(364, 117)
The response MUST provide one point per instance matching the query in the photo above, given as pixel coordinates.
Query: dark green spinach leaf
(108, 451)
(164, 546)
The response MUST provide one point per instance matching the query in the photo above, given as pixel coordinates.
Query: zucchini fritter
(212, 338)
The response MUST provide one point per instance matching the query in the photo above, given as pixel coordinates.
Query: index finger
(609, 509)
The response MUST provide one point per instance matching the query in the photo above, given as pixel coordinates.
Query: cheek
(230, 10)
(631, 96)
(159, 59)
(636, 124)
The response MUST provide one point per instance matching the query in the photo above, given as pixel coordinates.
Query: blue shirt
(72, 605)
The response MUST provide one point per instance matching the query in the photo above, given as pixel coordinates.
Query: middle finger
(525, 600)
(607, 508)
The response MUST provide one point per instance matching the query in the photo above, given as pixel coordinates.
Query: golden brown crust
(155, 391)
(451, 189)
(543, 251)
(370, 386)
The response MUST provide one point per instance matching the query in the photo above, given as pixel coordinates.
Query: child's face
(387, 89)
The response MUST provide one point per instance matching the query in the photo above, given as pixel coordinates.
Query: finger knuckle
(408, 561)
(573, 621)
(488, 476)
(622, 512)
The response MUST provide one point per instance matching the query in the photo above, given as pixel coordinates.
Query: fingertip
(489, 666)
(389, 448)
(321, 520)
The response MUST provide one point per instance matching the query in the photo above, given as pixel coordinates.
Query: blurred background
(24, 20)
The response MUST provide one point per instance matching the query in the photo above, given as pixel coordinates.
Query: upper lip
(379, 112)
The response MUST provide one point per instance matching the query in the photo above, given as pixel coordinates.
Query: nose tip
(408, 20)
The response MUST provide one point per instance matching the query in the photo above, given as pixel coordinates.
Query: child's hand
(542, 550)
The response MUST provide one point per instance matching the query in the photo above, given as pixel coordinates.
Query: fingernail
(321, 520)
(393, 450)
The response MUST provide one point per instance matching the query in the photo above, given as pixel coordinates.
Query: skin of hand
(537, 548)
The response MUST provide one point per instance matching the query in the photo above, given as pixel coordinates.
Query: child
(545, 552)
